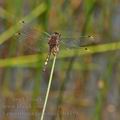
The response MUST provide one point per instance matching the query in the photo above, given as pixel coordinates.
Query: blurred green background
(86, 83)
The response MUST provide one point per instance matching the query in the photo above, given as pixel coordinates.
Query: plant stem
(48, 89)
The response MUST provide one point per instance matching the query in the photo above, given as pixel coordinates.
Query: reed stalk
(48, 89)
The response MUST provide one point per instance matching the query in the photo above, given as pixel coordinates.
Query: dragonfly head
(57, 34)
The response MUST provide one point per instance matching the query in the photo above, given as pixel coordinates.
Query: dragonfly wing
(33, 40)
(70, 43)
(77, 42)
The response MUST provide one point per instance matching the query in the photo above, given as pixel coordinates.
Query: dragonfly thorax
(54, 39)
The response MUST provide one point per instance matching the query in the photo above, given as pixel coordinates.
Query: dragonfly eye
(56, 33)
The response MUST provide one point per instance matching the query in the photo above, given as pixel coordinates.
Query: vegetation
(84, 82)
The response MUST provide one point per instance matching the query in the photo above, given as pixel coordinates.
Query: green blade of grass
(27, 60)
(34, 14)
(5, 14)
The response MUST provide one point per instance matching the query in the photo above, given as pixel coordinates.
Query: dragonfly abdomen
(46, 61)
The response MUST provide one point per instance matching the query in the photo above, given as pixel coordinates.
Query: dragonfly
(54, 41)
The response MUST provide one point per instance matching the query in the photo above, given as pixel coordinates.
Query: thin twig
(48, 89)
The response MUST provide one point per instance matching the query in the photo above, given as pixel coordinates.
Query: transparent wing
(74, 39)
(76, 42)
(33, 40)
(38, 42)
